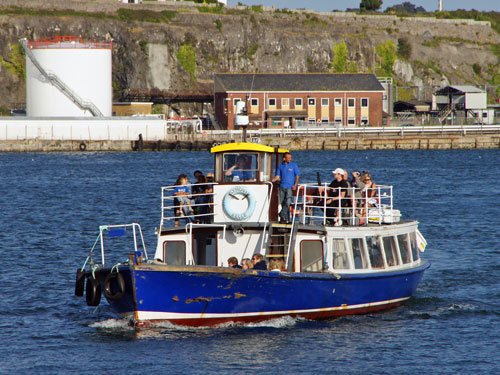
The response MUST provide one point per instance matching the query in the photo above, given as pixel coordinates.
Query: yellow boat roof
(245, 147)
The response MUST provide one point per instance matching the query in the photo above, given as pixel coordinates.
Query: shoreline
(293, 144)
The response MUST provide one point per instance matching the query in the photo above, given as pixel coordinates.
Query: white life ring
(226, 203)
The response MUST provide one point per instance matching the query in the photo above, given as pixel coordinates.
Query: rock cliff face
(175, 46)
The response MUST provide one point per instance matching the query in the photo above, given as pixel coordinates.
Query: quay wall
(295, 144)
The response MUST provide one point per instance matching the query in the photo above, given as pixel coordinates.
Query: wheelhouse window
(404, 248)
(241, 166)
(311, 256)
(340, 258)
(390, 251)
(358, 254)
(174, 253)
(375, 252)
(414, 248)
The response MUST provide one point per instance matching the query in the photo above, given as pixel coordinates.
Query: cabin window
(241, 166)
(358, 254)
(404, 248)
(339, 255)
(414, 249)
(266, 168)
(174, 253)
(205, 249)
(390, 251)
(311, 256)
(375, 252)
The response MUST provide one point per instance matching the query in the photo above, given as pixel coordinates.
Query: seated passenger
(238, 172)
(246, 264)
(258, 262)
(233, 262)
(276, 265)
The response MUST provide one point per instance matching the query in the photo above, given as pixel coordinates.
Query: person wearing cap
(288, 175)
(336, 196)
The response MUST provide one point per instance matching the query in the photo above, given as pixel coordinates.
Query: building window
(298, 102)
(285, 102)
(351, 103)
(272, 102)
(311, 101)
(236, 100)
(364, 102)
(338, 120)
(364, 120)
(311, 120)
(255, 102)
(338, 102)
(351, 121)
(325, 102)
(325, 120)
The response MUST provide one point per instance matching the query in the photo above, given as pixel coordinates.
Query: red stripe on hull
(319, 315)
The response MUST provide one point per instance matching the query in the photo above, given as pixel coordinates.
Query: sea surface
(53, 203)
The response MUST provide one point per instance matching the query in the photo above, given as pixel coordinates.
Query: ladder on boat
(280, 238)
(55, 81)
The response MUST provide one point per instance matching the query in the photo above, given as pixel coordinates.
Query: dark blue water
(52, 205)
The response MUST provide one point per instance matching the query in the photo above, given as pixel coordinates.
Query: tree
(387, 53)
(340, 57)
(404, 48)
(370, 4)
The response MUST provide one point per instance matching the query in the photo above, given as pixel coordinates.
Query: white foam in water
(282, 322)
(113, 324)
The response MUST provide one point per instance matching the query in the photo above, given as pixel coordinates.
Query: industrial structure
(66, 76)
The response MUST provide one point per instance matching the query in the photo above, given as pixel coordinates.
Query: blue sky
(328, 5)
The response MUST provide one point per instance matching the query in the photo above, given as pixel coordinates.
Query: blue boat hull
(205, 296)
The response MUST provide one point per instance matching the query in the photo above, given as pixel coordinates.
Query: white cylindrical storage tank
(83, 67)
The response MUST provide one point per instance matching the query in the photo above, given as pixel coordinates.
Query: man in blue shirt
(288, 174)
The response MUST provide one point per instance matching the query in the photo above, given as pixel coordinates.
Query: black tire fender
(80, 282)
(82, 146)
(114, 286)
(93, 291)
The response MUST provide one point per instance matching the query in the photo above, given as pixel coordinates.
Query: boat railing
(200, 208)
(317, 204)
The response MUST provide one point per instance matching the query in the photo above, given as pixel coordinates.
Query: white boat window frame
(170, 241)
(384, 261)
(301, 269)
(398, 257)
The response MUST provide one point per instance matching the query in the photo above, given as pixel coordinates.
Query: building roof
(459, 89)
(299, 82)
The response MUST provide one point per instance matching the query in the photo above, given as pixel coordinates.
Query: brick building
(284, 100)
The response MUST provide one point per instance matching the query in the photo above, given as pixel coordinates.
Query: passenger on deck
(198, 192)
(258, 262)
(368, 192)
(238, 172)
(246, 264)
(337, 191)
(209, 209)
(233, 262)
(182, 202)
(288, 175)
(276, 265)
